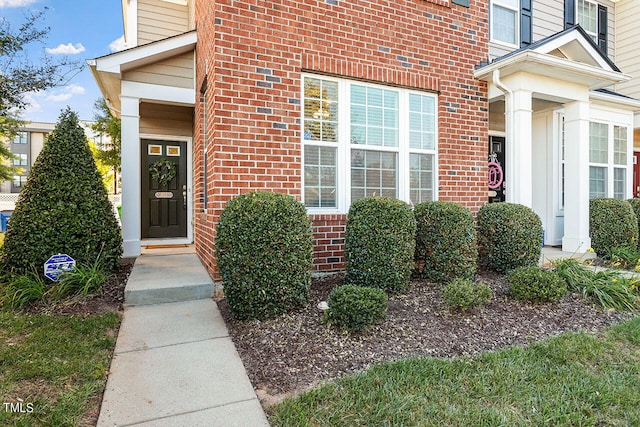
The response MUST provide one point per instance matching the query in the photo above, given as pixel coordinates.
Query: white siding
(159, 119)
(627, 37)
(177, 71)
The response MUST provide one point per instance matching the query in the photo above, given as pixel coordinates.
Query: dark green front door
(164, 189)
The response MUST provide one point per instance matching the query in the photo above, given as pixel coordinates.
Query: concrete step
(158, 279)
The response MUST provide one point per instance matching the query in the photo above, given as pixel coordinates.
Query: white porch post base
(130, 248)
(576, 245)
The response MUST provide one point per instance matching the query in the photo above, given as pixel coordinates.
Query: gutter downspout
(509, 140)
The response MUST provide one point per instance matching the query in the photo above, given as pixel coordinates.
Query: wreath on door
(162, 171)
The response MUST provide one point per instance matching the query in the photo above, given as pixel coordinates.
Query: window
(588, 18)
(21, 138)
(607, 160)
(21, 160)
(505, 16)
(363, 139)
(19, 180)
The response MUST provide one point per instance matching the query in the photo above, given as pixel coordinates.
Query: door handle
(184, 196)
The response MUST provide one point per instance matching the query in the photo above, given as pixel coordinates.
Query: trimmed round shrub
(356, 308)
(264, 252)
(446, 242)
(380, 243)
(463, 294)
(509, 236)
(635, 205)
(63, 208)
(536, 285)
(612, 225)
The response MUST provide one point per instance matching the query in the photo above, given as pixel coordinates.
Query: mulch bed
(297, 351)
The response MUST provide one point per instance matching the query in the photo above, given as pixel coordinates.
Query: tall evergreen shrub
(63, 207)
(446, 241)
(380, 244)
(264, 251)
(509, 236)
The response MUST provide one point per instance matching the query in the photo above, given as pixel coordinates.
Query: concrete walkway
(174, 363)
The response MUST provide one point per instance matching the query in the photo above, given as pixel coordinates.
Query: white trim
(151, 92)
(190, 212)
(516, 30)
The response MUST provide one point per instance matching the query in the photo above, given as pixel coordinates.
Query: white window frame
(343, 146)
(492, 20)
(611, 166)
(592, 34)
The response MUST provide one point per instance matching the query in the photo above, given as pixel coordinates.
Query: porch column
(519, 182)
(131, 180)
(576, 177)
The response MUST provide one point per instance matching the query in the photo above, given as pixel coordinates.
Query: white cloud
(65, 94)
(118, 44)
(66, 49)
(16, 3)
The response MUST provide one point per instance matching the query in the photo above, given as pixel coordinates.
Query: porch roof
(569, 55)
(108, 70)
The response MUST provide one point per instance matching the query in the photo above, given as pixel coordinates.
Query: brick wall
(252, 54)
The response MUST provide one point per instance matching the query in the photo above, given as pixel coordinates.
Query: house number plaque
(164, 194)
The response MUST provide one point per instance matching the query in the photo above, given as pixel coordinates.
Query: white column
(576, 177)
(519, 181)
(131, 180)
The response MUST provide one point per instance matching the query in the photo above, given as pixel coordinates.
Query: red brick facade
(250, 58)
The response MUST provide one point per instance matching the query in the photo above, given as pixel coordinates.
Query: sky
(82, 30)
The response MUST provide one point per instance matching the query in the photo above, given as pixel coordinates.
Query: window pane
(20, 138)
(421, 177)
(373, 174)
(598, 143)
(619, 182)
(620, 145)
(320, 187)
(504, 24)
(374, 116)
(588, 16)
(320, 110)
(421, 122)
(597, 182)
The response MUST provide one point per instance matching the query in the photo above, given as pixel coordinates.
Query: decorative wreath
(162, 171)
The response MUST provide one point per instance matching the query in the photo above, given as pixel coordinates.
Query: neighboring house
(556, 125)
(333, 100)
(26, 145)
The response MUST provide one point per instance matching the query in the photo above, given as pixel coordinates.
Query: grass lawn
(55, 366)
(569, 380)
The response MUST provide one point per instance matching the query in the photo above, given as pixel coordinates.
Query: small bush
(446, 242)
(356, 308)
(264, 249)
(635, 205)
(612, 225)
(536, 285)
(380, 243)
(509, 236)
(464, 294)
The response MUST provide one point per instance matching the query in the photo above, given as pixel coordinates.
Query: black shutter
(603, 23)
(569, 13)
(526, 28)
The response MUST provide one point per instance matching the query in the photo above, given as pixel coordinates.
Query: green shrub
(536, 285)
(635, 205)
(509, 236)
(356, 308)
(380, 243)
(612, 225)
(63, 208)
(463, 294)
(264, 250)
(446, 243)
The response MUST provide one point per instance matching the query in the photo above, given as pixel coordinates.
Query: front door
(164, 189)
(496, 169)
